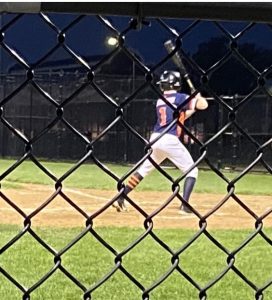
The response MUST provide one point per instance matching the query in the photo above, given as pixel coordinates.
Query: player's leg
(188, 187)
(181, 157)
(157, 156)
(133, 181)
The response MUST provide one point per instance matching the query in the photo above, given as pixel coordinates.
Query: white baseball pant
(169, 146)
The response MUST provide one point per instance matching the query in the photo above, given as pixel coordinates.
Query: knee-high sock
(188, 187)
(133, 181)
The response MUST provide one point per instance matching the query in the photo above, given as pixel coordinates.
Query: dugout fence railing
(230, 126)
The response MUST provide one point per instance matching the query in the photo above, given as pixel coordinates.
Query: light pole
(112, 41)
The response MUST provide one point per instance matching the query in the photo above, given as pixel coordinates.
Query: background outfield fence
(30, 114)
(42, 112)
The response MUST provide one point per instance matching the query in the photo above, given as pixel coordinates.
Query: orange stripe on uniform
(181, 121)
(133, 181)
(131, 186)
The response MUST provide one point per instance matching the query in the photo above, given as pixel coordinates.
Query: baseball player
(169, 145)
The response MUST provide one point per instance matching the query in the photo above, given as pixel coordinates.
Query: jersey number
(162, 112)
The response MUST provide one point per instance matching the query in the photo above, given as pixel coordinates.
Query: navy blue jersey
(165, 112)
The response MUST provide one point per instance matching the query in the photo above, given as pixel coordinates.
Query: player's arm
(189, 112)
(197, 103)
(201, 102)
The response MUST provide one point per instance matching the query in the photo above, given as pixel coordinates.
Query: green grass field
(90, 176)
(89, 261)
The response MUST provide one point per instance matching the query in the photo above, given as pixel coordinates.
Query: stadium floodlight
(112, 41)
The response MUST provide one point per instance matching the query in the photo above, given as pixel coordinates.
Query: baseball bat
(170, 47)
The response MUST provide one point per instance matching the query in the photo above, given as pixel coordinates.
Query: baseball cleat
(184, 210)
(120, 206)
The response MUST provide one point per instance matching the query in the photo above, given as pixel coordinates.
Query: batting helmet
(170, 80)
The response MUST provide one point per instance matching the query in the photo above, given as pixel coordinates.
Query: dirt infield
(60, 213)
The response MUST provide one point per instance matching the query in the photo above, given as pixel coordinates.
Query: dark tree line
(233, 76)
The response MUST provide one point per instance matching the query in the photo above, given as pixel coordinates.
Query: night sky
(32, 37)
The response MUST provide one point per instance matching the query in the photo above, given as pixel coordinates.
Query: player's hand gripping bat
(169, 45)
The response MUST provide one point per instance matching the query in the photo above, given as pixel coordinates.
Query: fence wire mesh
(89, 152)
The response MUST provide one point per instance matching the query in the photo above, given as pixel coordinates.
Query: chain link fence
(30, 114)
(77, 114)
